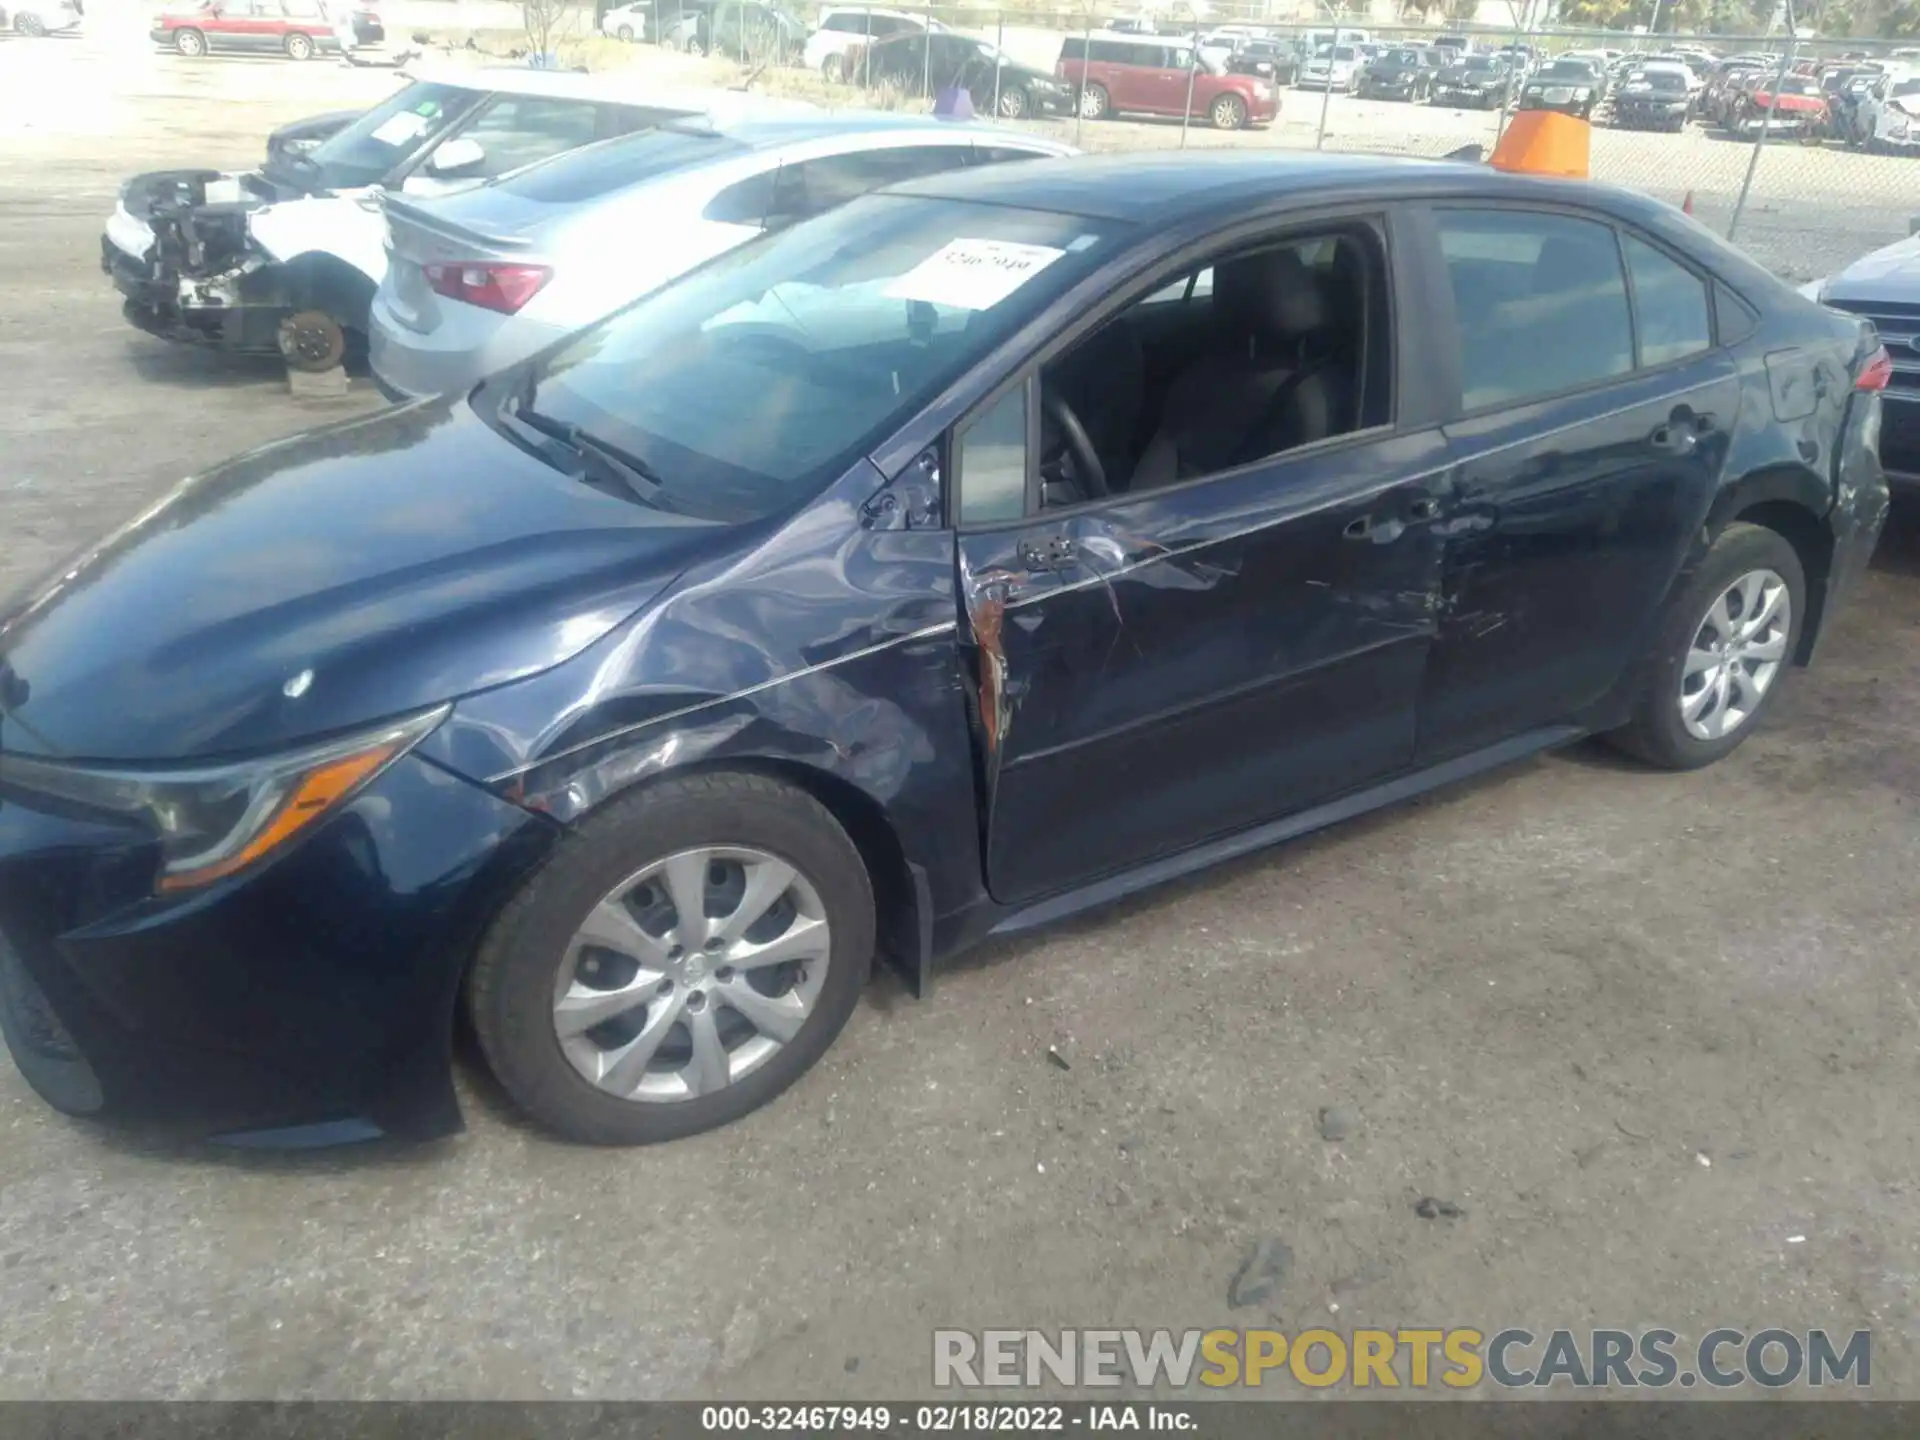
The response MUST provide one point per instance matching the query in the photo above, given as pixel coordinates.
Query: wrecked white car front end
(217, 259)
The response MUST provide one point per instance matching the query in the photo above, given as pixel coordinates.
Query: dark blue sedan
(970, 555)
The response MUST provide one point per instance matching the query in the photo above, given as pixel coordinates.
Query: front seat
(1271, 380)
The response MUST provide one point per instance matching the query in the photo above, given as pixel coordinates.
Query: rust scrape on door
(988, 608)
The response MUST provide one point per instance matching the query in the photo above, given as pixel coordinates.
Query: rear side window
(1540, 300)
(1671, 302)
(745, 202)
(815, 186)
(601, 169)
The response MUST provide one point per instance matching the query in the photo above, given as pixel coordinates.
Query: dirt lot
(1642, 1028)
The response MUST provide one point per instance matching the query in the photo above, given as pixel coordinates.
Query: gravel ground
(1551, 998)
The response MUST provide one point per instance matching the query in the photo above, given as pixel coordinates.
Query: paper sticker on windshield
(973, 274)
(399, 129)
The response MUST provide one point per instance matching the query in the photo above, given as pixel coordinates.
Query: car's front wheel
(624, 34)
(683, 958)
(1094, 102)
(299, 47)
(833, 69)
(190, 42)
(1722, 649)
(1229, 112)
(29, 24)
(1014, 104)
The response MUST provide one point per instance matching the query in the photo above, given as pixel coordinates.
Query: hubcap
(691, 974)
(1737, 651)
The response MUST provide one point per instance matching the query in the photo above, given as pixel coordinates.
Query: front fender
(347, 228)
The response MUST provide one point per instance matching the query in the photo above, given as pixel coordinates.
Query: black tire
(624, 34)
(1228, 112)
(1656, 733)
(298, 46)
(511, 987)
(1095, 102)
(1014, 104)
(29, 24)
(190, 42)
(833, 69)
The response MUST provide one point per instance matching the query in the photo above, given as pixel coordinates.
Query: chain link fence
(1800, 152)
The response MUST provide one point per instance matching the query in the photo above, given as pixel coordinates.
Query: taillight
(504, 288)
(1877, 373)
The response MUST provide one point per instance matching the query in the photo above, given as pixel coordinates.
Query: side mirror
(458, 156)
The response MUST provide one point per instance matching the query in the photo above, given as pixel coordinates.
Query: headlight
(217, 820)
(1582, 93)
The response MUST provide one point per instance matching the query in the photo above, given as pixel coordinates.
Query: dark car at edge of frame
(981, 551)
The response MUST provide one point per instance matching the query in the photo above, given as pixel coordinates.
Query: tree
(1460, 12)
(545, 21)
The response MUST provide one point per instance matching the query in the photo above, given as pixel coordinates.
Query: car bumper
(1648, 117)
(1473, 99)
(1561, 107)
(1385, 90)
(1900, 439)
(464, 348)
(318, 991)
(152, 303)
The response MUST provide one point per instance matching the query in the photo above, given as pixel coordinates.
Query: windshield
(1336, 52)
(369, 148)
(1401, 57)
(1658, 79)
(1479, 62)
(757, 379)
(1566, 70)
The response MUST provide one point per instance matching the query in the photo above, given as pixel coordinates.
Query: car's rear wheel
(190, 42)
(833, 69)
(29, 24)
(1229, 112)
(1723, 647)
(1094, 102)
(624, 34)
(299, 47)
(695, 48)
(1014, 104)
(683, 958)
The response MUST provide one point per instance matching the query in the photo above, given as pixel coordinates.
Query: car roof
(1166, 187)
(765, 132)
(611, 88)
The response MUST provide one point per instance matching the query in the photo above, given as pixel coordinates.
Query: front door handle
(1056, 552)
(1674, 439)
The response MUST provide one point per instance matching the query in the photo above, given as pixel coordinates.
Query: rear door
(1596, 410)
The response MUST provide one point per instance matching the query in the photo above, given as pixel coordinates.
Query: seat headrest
(1565, 263)
(1270, 296)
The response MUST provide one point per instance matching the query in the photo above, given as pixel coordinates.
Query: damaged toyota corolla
(937, 567)
(287, 258)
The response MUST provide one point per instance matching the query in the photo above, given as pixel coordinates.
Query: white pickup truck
(287, 258)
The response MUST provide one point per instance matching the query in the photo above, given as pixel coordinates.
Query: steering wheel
(1086, 463)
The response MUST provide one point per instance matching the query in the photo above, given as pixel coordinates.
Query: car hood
(404, 559)
(1888, 275)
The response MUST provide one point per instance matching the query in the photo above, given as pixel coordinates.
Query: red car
(1117, 74)
(297, 28)
(1795, 105)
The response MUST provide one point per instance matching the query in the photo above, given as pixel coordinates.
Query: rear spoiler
(443, 229)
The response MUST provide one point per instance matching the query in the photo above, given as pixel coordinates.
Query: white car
(41, 17)
(287, 258)
(481, 280)
(1333, 67)
(843, 29)
(628, 22)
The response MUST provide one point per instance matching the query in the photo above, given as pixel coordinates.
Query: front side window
(993, 461)
(517, 130)
(760, 377)
(1540, 301)
(400, 126)
(1671, 302)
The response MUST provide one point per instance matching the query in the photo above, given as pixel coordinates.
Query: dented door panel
(1158, 670)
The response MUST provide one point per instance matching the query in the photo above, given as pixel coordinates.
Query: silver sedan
(483, 279)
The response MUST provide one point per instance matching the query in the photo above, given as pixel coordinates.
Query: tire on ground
(1656, 733)
(510, 989)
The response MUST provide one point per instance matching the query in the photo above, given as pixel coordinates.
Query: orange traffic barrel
(1544, 142)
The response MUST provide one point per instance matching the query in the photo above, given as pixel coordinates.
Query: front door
(1599, 410)
(1166, 669)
